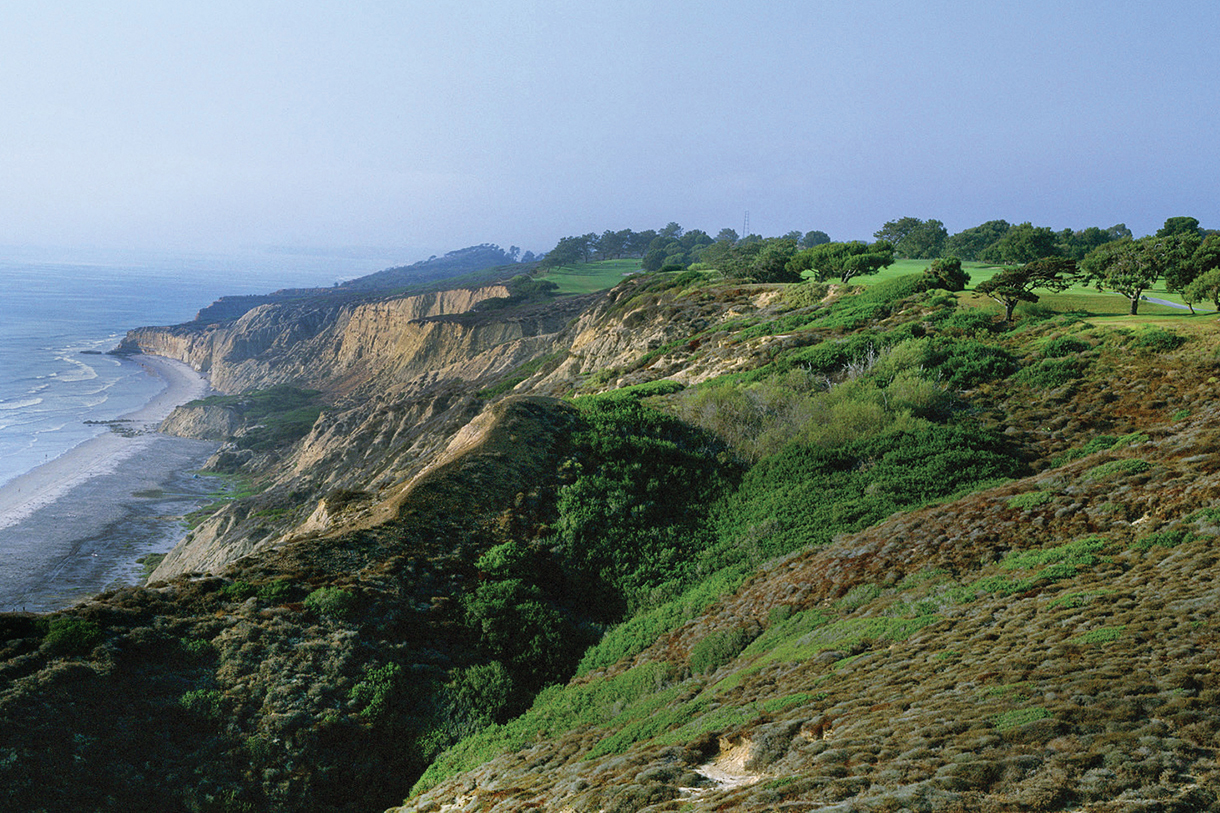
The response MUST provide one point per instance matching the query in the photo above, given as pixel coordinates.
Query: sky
(414, 128)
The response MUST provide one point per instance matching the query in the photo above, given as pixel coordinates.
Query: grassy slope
(1043, 645)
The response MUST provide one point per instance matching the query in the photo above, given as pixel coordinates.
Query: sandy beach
(75, 525)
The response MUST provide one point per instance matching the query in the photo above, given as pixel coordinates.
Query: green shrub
(1051, 373)
(376, 691)
(276, 592)
(804, 495)
(1163, 539)
(1100, 443)
(1030, 499)
(967, 323)
(1130, 465)
(1064, 346)
(1157, 340)
(632, 516)
(718, 648)
(1101, 635)
(68, 634)
(966, 364)
(331, 602)
(196, 649)
(205, 703)
(1016, 718)
(237, 591)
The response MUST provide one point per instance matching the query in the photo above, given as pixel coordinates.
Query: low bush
(276, 592)
(1064, 346)
(331, 602)
(1157, 340)
(1030, 499)
(1050, 373)
(207, 704)
(966, 364)
(68, 634)
(1130, 465)
(375, 692)
(718, 648)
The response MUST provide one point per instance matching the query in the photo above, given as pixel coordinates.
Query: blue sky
(423, 127)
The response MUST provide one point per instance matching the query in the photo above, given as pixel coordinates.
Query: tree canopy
(1023, 243)
(844, 260)
(1015, 285)
(1130, 267)
(914, 238)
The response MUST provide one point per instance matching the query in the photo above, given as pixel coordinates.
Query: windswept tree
(843, 260)
(1015, 285)
(569, 250)
(1131, 267)
(1204, 288)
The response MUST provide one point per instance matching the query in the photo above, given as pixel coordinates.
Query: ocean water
(60, 313)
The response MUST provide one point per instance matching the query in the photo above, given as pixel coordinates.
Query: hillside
(689, 543)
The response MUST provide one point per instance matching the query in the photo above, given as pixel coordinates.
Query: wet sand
(75, 525)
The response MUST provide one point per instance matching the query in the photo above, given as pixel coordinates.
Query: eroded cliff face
(400, 377)
(331, 346)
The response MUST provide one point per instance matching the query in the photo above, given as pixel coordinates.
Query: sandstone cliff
(397, 373)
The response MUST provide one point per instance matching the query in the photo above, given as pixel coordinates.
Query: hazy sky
(430, 126)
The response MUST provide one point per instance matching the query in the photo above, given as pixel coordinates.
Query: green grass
(585, 278)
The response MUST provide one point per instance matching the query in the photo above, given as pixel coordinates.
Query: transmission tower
(745, 229)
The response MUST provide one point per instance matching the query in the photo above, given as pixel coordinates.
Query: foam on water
(56, 315)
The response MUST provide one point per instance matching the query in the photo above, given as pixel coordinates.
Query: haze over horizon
(420, 128)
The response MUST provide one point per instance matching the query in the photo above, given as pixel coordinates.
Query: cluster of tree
(670, 246)
(1181, 254)
(998, 241)
(1186, 257)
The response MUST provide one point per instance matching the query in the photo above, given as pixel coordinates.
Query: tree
(771, 264)
(844, 260)
(1014, 285)
(1180, 225)
(814, 238)
(944, 272)
(1022, 244)
(1129, 267)
(1205, 287)
(915, 238)
(612, 244)
(970, 243)
(726, 236)
(1077, 244)
(895, 231)
(1180, 250)
(567, 251)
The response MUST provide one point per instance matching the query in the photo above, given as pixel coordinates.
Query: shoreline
(73, 526)
(46, 483)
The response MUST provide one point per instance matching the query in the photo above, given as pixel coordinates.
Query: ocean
(60, 313)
